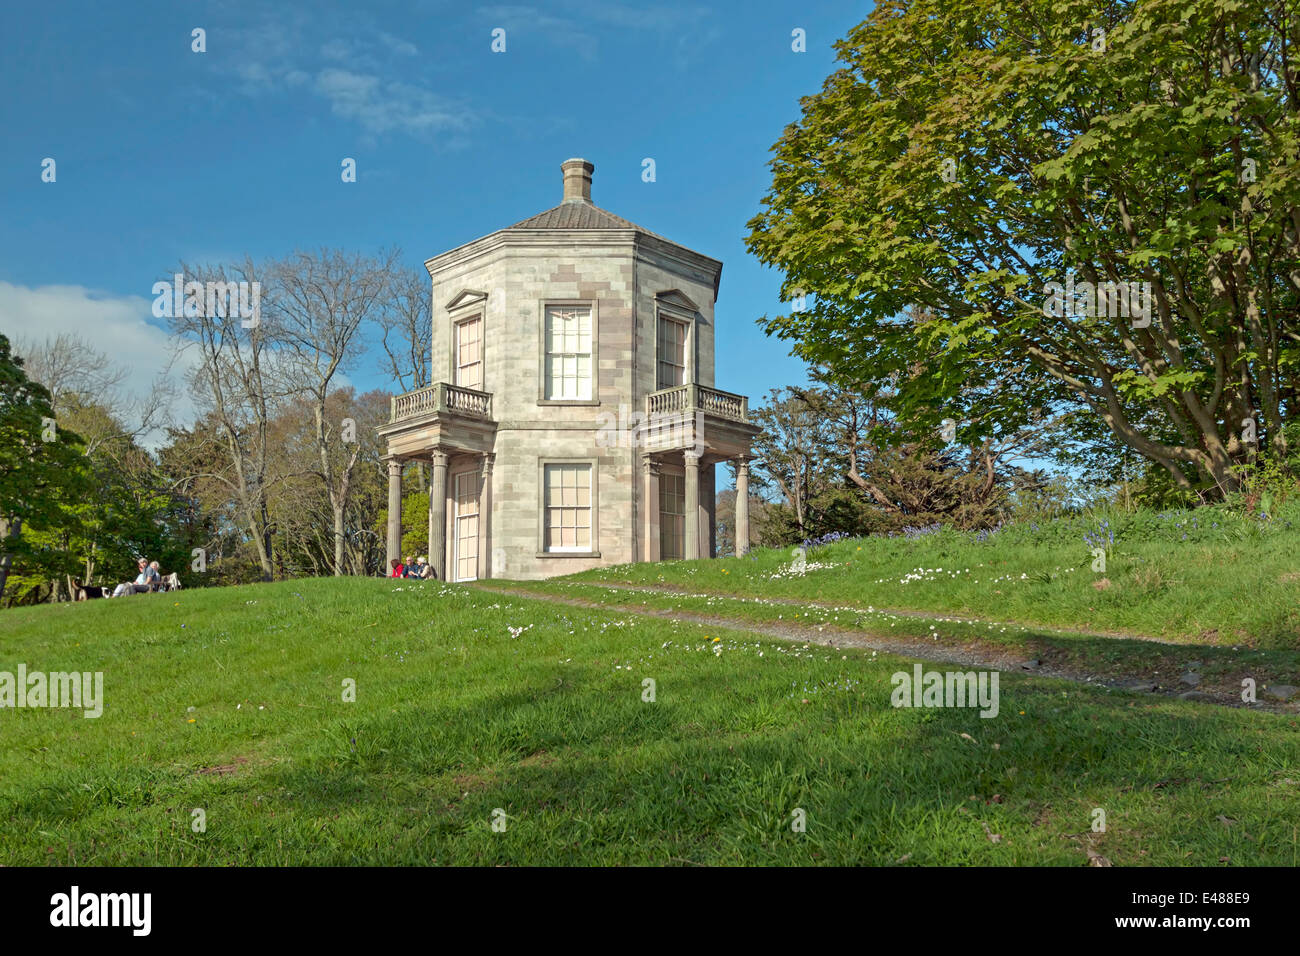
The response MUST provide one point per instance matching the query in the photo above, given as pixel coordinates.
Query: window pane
(568, 353)
(469, 353)
(671, 367)
(672, 521)
(567, 507)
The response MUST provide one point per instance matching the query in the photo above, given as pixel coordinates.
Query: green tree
(842, 462)
(969, 154)
(42, 473)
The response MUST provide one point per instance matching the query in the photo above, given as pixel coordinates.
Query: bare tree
(79, 376)
(68, 364)
(790, 448)
(232, 381)
(321, 302)
(406, 331)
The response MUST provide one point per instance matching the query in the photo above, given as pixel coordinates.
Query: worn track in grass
(897, 612)
(972, 653)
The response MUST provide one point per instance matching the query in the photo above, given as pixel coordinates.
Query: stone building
(574, 422)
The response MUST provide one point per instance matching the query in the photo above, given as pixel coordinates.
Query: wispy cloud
(558, 30)
(352, 66)
(383, 106)
(573, 23)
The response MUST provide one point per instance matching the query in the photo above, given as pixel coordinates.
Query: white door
(465, 558)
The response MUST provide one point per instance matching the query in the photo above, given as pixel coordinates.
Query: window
(568, 353)
(567, 507)
(466, 523)
(672, 353)
(469, 353)
(672, 517)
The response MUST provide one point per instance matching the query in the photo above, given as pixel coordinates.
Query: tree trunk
(7, 530)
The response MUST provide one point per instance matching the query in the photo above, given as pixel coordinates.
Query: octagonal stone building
(574, 422)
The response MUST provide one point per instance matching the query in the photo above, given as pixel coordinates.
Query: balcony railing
(442, 398)
(692, 397)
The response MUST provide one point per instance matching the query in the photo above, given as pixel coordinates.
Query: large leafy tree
(968, 154)
(123, 511)
(42, 472)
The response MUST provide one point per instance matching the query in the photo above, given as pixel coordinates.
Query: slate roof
(580, 215)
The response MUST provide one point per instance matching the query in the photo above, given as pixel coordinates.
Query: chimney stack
(577, 180)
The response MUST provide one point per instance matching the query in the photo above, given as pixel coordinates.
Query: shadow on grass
(607, 782)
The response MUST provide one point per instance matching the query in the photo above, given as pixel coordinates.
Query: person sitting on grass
(422, 570)
(143, 582)
(397, 569)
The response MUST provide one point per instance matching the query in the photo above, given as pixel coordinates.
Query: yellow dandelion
(190, 721)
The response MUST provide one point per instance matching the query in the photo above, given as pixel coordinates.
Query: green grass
(1104, 657)
(456, 717)
(1234, 581)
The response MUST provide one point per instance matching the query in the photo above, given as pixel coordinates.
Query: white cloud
(398, 45)
(353, 70)
(112, 324)
(560, 31)
(381, 107)
(336, 50)
(570, 24)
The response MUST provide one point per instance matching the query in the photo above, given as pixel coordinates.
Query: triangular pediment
(677, 299)
(465, 297)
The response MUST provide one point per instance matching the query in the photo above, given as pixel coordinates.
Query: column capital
(438, 458)
(692, 457)
(649, 466)
(489, 460)
(394, 465)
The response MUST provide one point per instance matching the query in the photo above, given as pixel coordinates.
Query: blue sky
(164, 154)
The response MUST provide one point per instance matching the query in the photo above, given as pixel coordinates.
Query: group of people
(149, 579)
(420, 568)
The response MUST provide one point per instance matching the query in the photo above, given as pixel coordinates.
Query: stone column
(692, 522)
(708, 495)
(394, 549)
(650, 493)
(438, 515)
(485, 518)
(742, 506)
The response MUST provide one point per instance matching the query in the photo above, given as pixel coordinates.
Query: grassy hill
(1213, 576)
(471, 704)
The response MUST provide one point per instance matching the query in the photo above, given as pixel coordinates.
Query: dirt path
(972, 654)
(920, 615)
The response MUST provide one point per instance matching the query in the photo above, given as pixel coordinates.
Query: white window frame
(543, 509)
(475, 475)
(593, 379)
(667, 312)
(457, 364)
(685, 326)
(667, 474)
